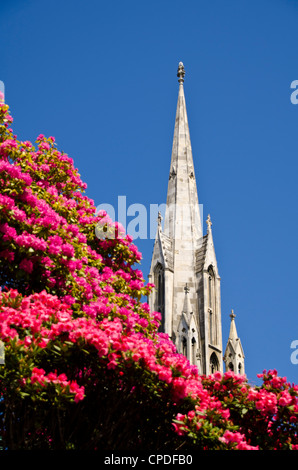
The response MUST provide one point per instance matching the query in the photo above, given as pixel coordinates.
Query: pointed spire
(182, 217)
(233, 331)
(234, 355)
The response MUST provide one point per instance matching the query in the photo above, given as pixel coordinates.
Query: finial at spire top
(186, 289)
(232, 315)
(208, 221)
(180, 73)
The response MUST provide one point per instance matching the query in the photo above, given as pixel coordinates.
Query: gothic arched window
(159, 291)
(214, 364)
(193, 350)
(184, 346)
(231, 367)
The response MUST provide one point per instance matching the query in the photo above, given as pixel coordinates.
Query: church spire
(182, 217)
(233, 331)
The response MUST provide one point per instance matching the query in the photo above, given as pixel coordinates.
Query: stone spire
(182, 216)
(233, 331)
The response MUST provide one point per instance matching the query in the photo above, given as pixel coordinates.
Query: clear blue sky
(100, 76)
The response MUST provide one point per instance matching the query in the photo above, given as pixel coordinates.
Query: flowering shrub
(85, 366)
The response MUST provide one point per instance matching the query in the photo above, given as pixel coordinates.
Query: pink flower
(238, 439)
(69, 299)
(68, 250)
(9, 232)
(285, 399)
(38, 375)
(165, 374)
(80, 395)
(27, 341)
(43, 343)
(27, 144)
(217, 375)
(136, 285)
(180, 427)
(54, 249)
(44, 145)
(112, 361)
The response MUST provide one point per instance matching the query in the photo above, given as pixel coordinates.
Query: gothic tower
(184, 268)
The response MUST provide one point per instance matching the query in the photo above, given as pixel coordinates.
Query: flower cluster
(266, 415)
(39, 377)
(236, 440)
